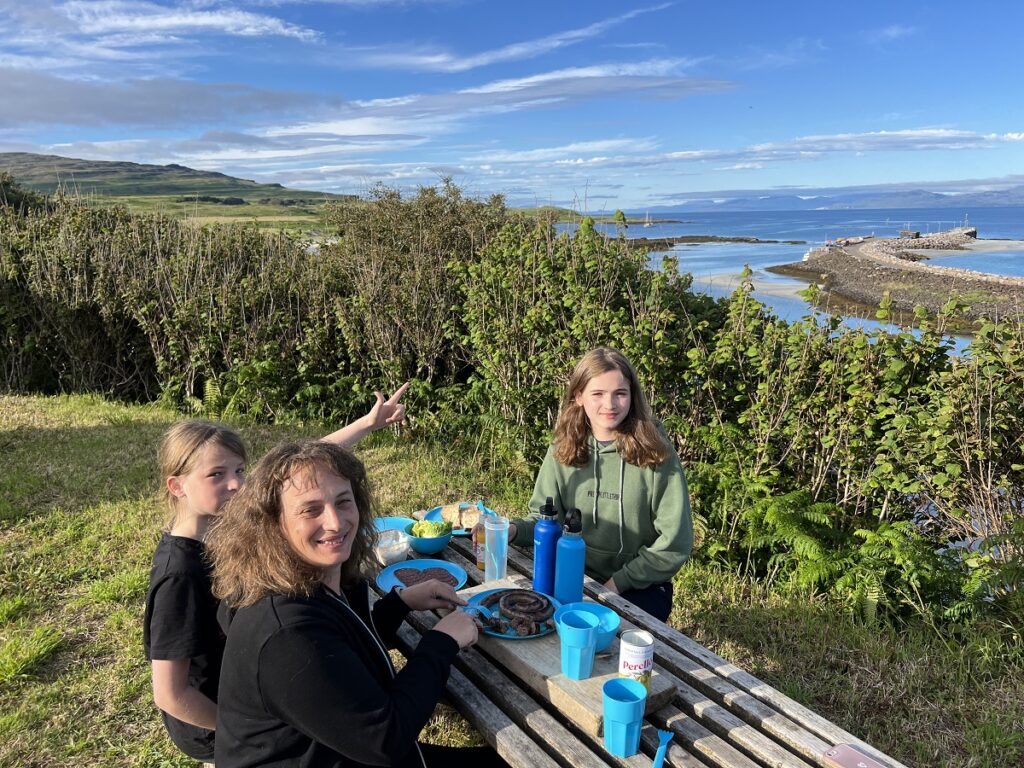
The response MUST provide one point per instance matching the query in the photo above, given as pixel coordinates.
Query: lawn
(79, 521)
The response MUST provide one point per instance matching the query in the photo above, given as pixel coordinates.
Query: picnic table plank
(702, 742)
(723, 720)
(516, 747)
(537, 662)
(811, 721)
(676, 756)
(777, 714)
(524, 710)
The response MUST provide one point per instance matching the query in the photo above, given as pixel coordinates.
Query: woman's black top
(306, 681)
(181, 623)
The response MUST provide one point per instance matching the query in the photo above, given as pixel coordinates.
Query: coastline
(860, 273)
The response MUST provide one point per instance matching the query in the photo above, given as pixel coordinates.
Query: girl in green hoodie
(611, 460)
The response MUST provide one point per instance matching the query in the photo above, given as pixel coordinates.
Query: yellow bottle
(479, 537)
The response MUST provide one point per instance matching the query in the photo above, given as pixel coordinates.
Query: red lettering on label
(637, 667)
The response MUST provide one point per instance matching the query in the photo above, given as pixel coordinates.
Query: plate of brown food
(409, 572)
(515, 614)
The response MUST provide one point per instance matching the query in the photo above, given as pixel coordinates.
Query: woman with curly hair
(306, 678)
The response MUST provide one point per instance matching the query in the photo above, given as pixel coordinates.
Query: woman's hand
(460, 627)
(430, 594)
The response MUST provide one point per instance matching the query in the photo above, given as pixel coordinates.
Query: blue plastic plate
(511, 635)
(386, 579)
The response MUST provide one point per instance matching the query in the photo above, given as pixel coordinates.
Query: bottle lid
(547, 509)
(573, 521)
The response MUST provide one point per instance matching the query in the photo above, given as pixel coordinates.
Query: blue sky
(597, 104)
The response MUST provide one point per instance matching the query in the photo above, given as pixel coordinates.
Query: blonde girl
(202, 466)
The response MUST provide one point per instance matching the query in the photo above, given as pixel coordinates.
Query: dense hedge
(875, 466)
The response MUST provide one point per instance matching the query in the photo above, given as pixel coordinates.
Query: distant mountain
(839, 199)
(44, 173)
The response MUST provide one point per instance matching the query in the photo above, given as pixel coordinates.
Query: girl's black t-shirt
(181, 623)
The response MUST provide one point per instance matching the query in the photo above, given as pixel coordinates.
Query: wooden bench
(720, 715)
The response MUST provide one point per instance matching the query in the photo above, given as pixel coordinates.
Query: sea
(715, 266)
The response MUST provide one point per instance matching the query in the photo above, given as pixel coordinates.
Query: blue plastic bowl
(427, 545)
(392, 523)
(609, 620)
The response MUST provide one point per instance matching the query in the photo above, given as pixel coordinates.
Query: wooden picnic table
(720, 715)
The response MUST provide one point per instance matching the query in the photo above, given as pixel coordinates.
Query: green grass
(80, 522)
(304, 217)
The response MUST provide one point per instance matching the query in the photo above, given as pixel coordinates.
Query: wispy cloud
(890, 33)
(563, 152)
(88, 39)
(446, 61)
(652, 68)
(130, 17)
(794, 52)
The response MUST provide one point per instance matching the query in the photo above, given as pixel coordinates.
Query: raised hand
(387, 412)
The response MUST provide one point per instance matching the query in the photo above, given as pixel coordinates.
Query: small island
(666, 243)
(856, 273)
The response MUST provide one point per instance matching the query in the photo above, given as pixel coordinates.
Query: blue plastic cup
(578, 631)
(624, 701)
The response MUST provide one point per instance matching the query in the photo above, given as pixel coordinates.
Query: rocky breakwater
(858, 272)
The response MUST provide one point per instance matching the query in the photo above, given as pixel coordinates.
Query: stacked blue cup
(578, 633)
(624, 702)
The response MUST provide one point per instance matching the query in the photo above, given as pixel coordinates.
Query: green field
(79, 520)
(172, 190)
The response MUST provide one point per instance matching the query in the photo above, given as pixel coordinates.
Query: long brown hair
(251, 556)
(638, 440)
(180, 450)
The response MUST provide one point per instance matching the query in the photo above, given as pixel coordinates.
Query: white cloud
(653, 68)
(129, 17)
(896, 31)
(560, 153)
(445, 61)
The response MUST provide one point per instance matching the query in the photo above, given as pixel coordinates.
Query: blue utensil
(483, 610)
(659, 756)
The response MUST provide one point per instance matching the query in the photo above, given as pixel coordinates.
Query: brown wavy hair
(251, 556)
(639, 441)
(180, 448)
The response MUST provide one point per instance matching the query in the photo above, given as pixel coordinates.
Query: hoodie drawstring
(597, 491)
(622, 516)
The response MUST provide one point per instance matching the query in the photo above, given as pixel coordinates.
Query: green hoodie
(636, 521)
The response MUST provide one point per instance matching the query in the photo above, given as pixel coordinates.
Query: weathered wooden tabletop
(720, 715)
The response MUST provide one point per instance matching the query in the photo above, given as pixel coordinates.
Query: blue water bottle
(570, 559)
(546, 533)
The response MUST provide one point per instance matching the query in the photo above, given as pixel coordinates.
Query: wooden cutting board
(538, 663)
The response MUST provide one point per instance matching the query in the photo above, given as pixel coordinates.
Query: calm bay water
(714, 265)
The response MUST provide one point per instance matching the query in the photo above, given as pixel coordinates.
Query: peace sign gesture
(382, 414)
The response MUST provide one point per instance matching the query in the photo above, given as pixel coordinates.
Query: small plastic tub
(392, 546)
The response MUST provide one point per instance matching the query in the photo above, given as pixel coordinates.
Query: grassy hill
(45, 173)
(173, 190)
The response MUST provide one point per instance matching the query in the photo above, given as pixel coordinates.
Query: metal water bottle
(570, 559)
(545, 541)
